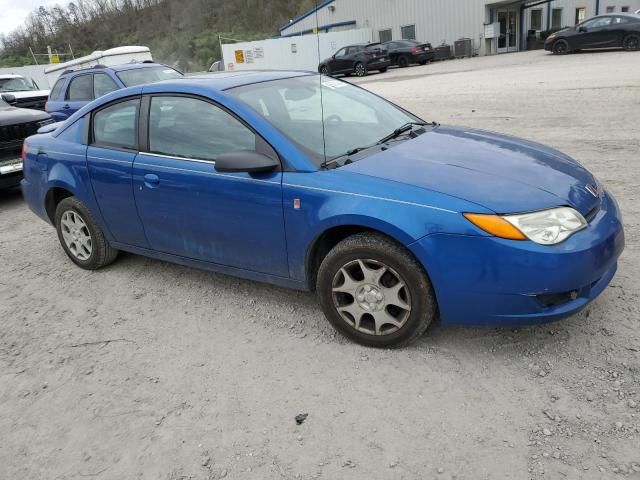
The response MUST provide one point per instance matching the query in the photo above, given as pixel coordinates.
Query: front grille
(555, 299)
(32, 102)
(12, 136)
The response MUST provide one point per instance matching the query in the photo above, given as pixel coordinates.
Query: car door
(595, 33)
(79, 93)
(113, 146)
(190, 209)
(339, 63)
(619, 29)
(354, 55)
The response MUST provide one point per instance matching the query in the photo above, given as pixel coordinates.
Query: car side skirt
(215, 267)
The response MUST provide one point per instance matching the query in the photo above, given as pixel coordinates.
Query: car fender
(74, 177)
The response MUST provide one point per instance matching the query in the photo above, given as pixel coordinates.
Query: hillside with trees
(183, 33)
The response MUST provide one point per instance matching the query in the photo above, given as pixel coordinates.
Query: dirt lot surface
(156, 371)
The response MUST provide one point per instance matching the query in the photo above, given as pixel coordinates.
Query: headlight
(547, 227)
(551, 37)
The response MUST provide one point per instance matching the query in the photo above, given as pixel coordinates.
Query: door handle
(151, 180)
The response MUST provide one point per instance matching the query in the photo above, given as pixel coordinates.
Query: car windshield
(138, 76)
(353, 117)
(16, 84)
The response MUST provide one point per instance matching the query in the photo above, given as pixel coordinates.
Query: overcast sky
(14, 12)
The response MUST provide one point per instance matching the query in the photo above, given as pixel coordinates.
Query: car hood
(30, 93)
(502, 173)
(14, 116)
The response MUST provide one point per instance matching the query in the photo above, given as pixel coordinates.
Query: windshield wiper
(402, 129)
(396, 133)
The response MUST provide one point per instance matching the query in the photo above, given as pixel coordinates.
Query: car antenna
(324, 142)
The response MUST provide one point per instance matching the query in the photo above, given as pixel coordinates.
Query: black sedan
(605, 31)
(356, 59)
(405, 52)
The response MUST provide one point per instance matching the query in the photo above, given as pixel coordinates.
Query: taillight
(46, 107)
(416, 50)
(23, 155)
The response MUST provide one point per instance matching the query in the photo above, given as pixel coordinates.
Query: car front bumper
(488, 281)
(10, 173)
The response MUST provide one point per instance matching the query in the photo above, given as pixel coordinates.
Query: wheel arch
(53, 197)
(322, 244)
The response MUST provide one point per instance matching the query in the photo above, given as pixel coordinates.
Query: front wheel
(374, 292)
(324, 70)
(360, 69)
(81, 237)
(560, 47)
(383, 70)
(631, 42)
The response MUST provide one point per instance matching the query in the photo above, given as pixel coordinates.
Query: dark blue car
(392, 220)
(75, 88)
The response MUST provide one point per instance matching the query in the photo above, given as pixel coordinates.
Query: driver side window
(191, 128)
(597, 23)
(341, 53)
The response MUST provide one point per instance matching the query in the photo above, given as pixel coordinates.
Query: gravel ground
(156, 371)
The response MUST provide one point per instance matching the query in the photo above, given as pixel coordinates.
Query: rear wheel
(374, 292)
(631, 42)
(383, 69)
(561, 47)
(403, 61)
(360, 69)
(81, 237)
(423, 62)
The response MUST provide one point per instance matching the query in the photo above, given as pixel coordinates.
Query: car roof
(10, 75)
(115, 68)
(227, 80)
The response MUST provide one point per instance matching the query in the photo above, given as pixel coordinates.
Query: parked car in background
(356, 59)
(314, 183)
(16, 124)
(406, 52)
(606, 31)
(75, 88)
(25, 90)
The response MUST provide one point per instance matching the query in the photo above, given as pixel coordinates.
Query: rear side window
(138, 76)
(191, 128)
(103, 84)
(80, 89)
(57, 89)
(117, 125)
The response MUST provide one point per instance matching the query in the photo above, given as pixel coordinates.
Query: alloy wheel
(632, 43)
(324, 70)
(76, 235)
(560, 47)
(371, 297)
(360, 70)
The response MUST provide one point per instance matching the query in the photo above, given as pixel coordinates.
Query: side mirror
(247, 161)
(582, 29)
(9, 98)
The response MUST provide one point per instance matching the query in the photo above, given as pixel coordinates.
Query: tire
(423, 62)
(560, 47)
(81, 237)
(360, 69)
(403, 61)
(324, 70)
(631, 43)
(412, 306)
(383, 70)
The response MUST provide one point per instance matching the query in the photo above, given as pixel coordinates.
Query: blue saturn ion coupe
(313, 183)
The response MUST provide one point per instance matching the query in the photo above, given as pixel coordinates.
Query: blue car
(309, 182)
(75, 88)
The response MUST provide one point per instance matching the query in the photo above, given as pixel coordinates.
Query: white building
(494, 26)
